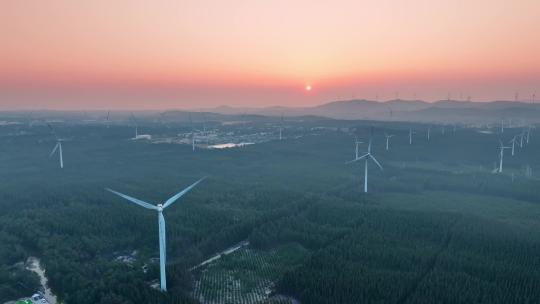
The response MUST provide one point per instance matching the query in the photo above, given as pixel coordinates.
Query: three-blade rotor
(368, 155)
(167, 203)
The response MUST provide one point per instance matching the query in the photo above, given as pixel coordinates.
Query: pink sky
(191, 54)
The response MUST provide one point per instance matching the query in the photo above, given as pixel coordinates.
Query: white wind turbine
(428, 133)
(411, 135)
(521, 136)
(366, 157)
(136, 126)
(501, 155)
(57, 147)
(513, 142)
(388, 136)
(281, 127)
(161, 221)
(192, 132)
(356, 145)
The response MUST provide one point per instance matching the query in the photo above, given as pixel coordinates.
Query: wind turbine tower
(388, 136)
(513, 142)
(501, 156)
(411, 136)
(281, 128)
(356, 145)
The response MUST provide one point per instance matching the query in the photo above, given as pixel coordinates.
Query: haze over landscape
(269, 152)
(191, 54)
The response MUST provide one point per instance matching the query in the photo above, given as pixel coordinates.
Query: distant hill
(446, 111)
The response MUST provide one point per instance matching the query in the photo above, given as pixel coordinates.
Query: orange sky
(188, 54)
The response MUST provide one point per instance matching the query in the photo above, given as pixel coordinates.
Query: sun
(308, 87)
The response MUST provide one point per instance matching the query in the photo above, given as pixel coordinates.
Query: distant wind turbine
(513, 142)
(411, 136)
(356, 145)
(136, 126)
(137, 135)
(388, 136)
(281, 127)
(192, 132)
(161, 220)
(501, 156)
(366, 157)
(428, 133)
(57, 147)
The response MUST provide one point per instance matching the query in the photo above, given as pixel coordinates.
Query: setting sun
(308, 87)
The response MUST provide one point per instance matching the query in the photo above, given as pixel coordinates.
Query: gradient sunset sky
(193, 54)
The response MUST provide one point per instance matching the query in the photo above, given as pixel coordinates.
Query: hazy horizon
(254, 107)
(199, 54)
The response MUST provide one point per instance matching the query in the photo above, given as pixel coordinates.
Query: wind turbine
(410, 135)
(521, 136)
(192, 132)
(502, 125)
(281, 127)
(428, 132)
(366, 157)
(136, 126)
(204, 132)
(57, 147)
(356, 144)
(501, 156)
(161, 220)
(513, 142)
(388, 136)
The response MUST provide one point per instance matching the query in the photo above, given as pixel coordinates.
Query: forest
(437, 225)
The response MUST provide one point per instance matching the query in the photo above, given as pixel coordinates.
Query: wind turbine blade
(375, 160)
(359, 158)
(162, 252)
(133, 200)
(54, 149)
(52, 130)
(181, 193)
